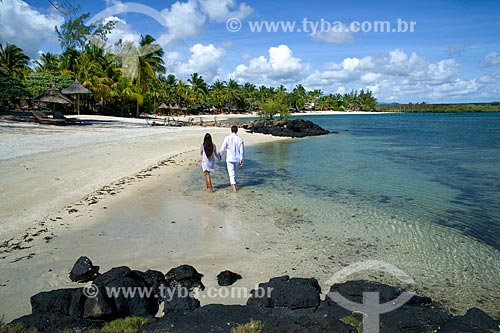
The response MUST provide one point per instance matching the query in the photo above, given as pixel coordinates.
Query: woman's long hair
(208, 145)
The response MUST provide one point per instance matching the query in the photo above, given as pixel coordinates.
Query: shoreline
(56, 194)
(154, 217)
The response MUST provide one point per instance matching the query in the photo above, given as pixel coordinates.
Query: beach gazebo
(53, 96)
(76, 89)
(162, 106)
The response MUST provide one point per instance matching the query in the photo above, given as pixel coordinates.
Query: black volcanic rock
(83, 270)
(227, 278)
(295, 293)
(282, 304)
(297, 128)
(179, 299)
(184, 276)
(56, 301)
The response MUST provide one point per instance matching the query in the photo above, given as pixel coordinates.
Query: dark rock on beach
(227, 278)
(156, 280)
(184, 276)
(298, 128)
(83, 270)
(282, 304)
(90, 307)
(295, 293)
(475, 320)
(222, 318)
(179, 300)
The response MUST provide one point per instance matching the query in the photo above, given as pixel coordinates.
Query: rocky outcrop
(282, 304)
(295, 293)
(227, 278)
(83, 270)
(297, 128)
(184, 276)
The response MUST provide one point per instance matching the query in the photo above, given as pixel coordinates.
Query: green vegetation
(254, 326)
(125, 325)
(129, 79)
(424, 107)
(18, 328)
(353, 322)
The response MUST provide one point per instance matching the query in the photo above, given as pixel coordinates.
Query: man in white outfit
(234, 156)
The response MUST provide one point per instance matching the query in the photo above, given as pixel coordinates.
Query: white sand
(50, 212)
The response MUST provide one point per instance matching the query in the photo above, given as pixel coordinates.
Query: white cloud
(122, 31)
(339, 35)
(280, 68)
(204, 60)
(457, 88)
(397, 73)
(26, 27)
(396, 65)
(492, 59)
(183, 19)
(222, 10)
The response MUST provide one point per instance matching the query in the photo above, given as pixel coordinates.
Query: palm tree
(199, 87)
(298, 97)
(198, 84)
(183, 94)
(48, 63)
(143, 63)
(249, 92)
(170, 85)
(216, 94)
(125, 90)
(232, 94)
(68, 60)
(13, 60)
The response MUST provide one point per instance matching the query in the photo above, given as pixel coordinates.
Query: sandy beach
(64, 190)
(125, 193)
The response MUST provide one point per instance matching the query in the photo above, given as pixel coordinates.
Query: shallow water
(418, 191)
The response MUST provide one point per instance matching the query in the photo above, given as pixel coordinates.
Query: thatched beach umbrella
(76, 89)
(53, 96)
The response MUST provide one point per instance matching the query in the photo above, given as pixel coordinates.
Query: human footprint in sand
(234, 157)
(208, 150)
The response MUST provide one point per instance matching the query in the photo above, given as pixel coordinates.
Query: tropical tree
(366, 100)
(199, 88)
(38, 83)
(125, 90)
(273, 106)
(250, 95)
(216, 93)
(48, 63)
(13, 60)
(298, 97)
(74, 34)
(170, 85)
(232, 94)
(11, 88)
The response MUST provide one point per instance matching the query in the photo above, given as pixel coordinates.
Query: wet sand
(66, 192)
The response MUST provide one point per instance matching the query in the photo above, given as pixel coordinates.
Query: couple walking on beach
(234, 146)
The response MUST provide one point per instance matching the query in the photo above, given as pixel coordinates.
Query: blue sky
(453, 54)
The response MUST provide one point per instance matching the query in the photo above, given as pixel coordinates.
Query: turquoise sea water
(441, 167)
(420, 191)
